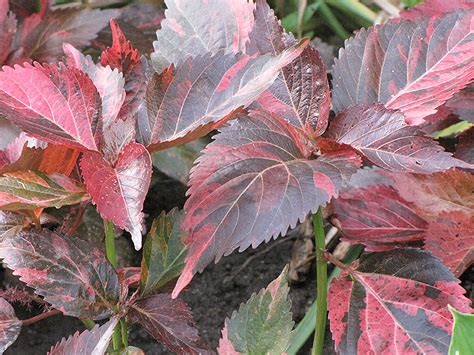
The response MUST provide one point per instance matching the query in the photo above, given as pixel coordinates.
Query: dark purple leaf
(253, 183)
(193, 28)
(396, 303)
(54, 103)
(119, 190)
(412, 66)
(465, 146)
(71, 274)
(10, 325)
(7, 30)
(462, 104)
(384, 138)
(170, 322)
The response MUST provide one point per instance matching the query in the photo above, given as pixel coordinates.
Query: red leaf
(189, 101)
(451, 238)
(125, 58)
(301, 92)
(7, 30)
(10, 325)
(170, 322)
(378, 218)
(436, 8)
(198, 27)
(386, 140)
(56, 104)
(72, 275)
(412, 66)
(119, 190)
(395, 302)
(253, 183)
(465, 146)
(88, 342)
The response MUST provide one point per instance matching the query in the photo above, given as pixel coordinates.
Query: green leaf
(176, 162)
(262, 325)
(462, 340)
(30, 190)
(290, 22)
(163, 252)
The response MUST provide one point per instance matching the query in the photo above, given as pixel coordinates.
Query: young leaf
(31, 190)
(54, 103)
(253, 183)
(462, 341)
(88, 342)
(186, 103)
(119, 190)
(377, 217)
(300, 94)
(163, 252)
(170, 322)
(386, 140)
(10, 325)
(8, 24)
(193, 28)
(72, 275)
(394, 302)
(10, 224)
(412, 66)
(451, 238)
(262, 325)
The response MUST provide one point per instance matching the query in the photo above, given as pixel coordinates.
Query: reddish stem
(41, 317)
(331, 258)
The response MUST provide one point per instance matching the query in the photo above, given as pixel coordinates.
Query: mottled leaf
(119, 190)
(54, 103)
(8, 24)
(88, 342)
(412, 66)
(176, 162)
(262, 325)
(394, 302)
(300, 94)
(170, 322)
(435, 8)
(462, 341)
(30, 190)
(451, 238)
(384, 138)
(71, 274)
(377, 217)
(196, 27)
(10, 325)
(187, 102)
(253, 183)
(163, 252)
(10, 223)
(465, 146)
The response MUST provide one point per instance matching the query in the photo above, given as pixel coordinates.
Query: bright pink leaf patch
(436, 8)
(119, 190)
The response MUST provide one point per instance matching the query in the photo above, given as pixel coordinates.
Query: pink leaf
(386, 140)
(436, 8)
(56, 104)
(412, 66)
(10, 325)
(253, 183)
(395, 302)
(119, 190)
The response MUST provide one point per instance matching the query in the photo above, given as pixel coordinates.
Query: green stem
(90, 324)
(124, 329)
(355, 7)
(332, 21)
(322, 283)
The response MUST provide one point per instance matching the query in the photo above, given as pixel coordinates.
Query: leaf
(394, 302)
(253, 183)
(119, 190)
(71, 274)
(462, 103)
(186, 103)
(198, 27)
(31, 190)
(170, 322)
(451, 238)
(465, 146)
(411, 66)
(8, 24)
(176, 162)
(8, 133)
(452, 190)
(462, 341)
(384, 138)
(10, 224)
(163, 252)
(262, 325)
(10, 325)
(44, 40)
(435, 8)
(378, 218)
(300, 94)
(56, 104)
(88, 342)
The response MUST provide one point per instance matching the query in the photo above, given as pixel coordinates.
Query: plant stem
(89, 324)
(322, 283)
(40, 317)
(124, 329)
(333, 22)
